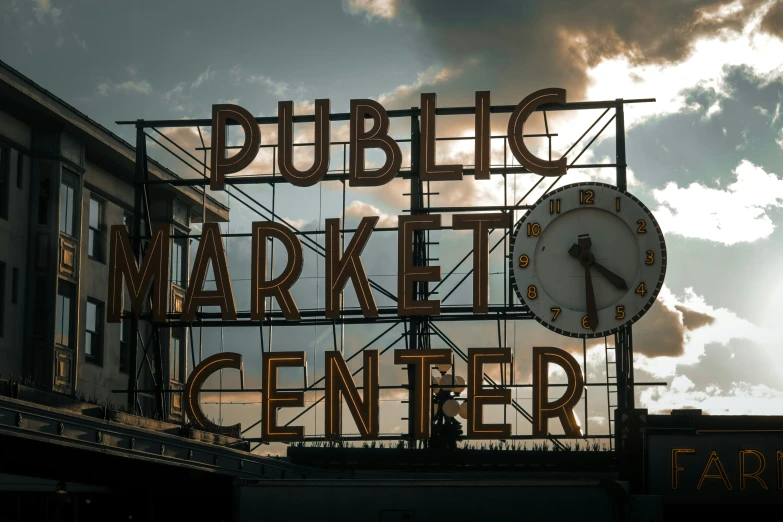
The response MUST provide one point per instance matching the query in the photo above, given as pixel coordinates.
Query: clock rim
(631, 320)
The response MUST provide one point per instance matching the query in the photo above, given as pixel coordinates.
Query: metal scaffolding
(417, 332)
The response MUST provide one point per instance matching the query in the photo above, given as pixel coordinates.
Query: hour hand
(613, 278)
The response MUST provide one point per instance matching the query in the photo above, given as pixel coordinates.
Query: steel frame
(418, 331)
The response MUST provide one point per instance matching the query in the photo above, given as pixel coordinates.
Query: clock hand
(586, 259)
(613, 278)
(585, 243)
(592, 313)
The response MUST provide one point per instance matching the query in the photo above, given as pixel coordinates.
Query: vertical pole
(135, 232)
(157, 350)
(624, 338)
(419, 289)
(620, 147)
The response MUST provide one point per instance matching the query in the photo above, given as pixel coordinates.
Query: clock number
(524, 260)
(533, 229)
(554, 206)
(650, 257)
(617, 204)
(620, 313)
(555, 311)
(531, 292)
(641, 228)
(640, 289)
(586, 197)
(585, 324)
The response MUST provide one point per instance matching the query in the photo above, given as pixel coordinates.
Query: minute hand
(613, 278)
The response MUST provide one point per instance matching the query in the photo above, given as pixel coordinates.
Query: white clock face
(588, 260)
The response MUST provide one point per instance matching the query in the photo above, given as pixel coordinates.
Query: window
(124, 345)
(63, 328)
(179, 261)
(19, 170)
(177, 347)
(2, 298)
(15, 286)
(95, 241)
(5, 165)
(93, 339)
(67, 208)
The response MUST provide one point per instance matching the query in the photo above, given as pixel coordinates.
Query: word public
(376, 137)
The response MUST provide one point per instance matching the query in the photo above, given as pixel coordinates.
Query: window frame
(2, 298)
(62, 285)
(70, 180)
(96, 236)
(177, 373)
(124, 345)
(182, 280)
(91, 336)
(5, 168)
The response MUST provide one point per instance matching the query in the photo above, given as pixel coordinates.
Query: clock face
(588, 260)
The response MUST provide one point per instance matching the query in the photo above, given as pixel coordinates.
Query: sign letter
(429, 170)
(279, 287)
(338, 271)
(219, 164)
(755, 474)
(563, 408)
(340, 382)
(285, 133)
(155, 265)
(272, 399)
(676, 468)
(196, 380)
(721, 471)
(421, 362)
(210, 252)
(375, 138)
(516, 127)
(483, 135)
(478, 396)
(481, 225)
(408, 273)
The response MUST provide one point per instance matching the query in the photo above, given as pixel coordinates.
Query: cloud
(741, 398)
(134, 85)
(273, 87)
(773, 20)
(734, 215)
(371, 9)
(429, 78)
(359, 209)
(707, 325)
(140, 87)
(180, 97)
(692, 319)
(203, 77)
(45, 13)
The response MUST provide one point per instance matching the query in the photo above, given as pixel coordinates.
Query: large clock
(588, 260)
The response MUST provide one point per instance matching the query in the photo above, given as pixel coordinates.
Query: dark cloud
(660, 332)
(692, 320)
(773, 21)
(516, 47)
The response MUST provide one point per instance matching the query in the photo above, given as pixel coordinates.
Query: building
(64, 181)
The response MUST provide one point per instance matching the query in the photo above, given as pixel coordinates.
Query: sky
(705, 157)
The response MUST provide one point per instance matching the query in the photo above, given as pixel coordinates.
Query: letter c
(196, 380)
